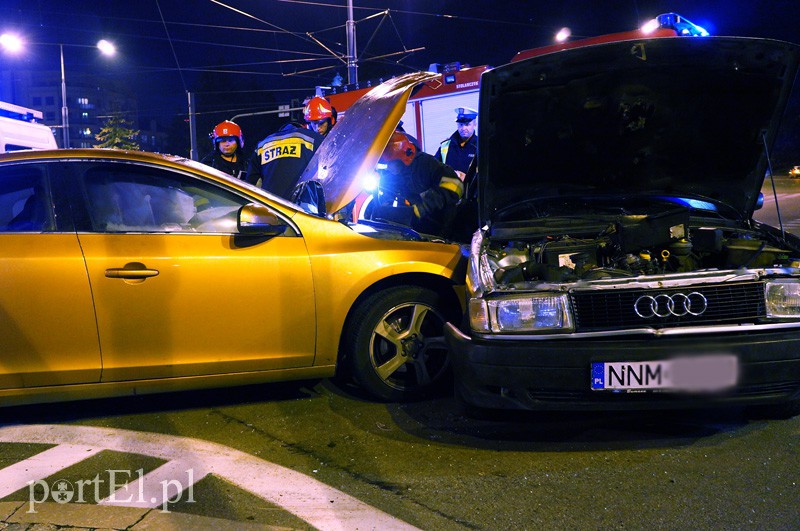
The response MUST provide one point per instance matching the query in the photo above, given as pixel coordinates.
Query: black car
(618, 265)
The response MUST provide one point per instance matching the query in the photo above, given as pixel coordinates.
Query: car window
(134, 198)
(24, 199)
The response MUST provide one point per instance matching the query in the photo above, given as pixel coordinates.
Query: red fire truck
(430, 113)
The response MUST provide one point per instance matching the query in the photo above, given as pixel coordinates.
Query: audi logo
(677, 304)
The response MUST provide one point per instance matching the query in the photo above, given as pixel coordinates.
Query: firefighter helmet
(227, 128)
(400, 147)
(318, 108)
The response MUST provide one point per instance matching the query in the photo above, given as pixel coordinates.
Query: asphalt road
(429, 465)
(788, 192)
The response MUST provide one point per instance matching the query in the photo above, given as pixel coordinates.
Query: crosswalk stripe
(42, 465)
(320, 505)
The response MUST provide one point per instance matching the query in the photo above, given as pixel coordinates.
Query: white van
(19, 129)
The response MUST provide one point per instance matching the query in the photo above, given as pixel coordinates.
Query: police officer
(427, 187)
(460, 149)
(228, 155)
(280, 158)
(320, 115)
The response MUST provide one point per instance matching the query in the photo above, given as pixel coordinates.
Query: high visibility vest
(443, 147)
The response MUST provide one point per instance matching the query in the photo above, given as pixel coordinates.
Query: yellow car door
(176, 293)
(48, 335)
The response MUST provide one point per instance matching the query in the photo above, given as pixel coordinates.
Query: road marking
(149, 491)
(769, 197)
(318, 504)
(42, 465)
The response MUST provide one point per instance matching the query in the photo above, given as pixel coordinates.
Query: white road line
(318, 504)
(784, 197)
(158, 486)
(42, 465)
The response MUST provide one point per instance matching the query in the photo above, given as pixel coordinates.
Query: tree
(117, 134)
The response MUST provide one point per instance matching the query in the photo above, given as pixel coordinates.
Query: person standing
(419, 183)
(228, 155)
(461, 148)
(279, 160)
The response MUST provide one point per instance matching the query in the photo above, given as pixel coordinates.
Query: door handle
(131, 271)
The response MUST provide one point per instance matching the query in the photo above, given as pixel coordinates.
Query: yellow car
(129, 272)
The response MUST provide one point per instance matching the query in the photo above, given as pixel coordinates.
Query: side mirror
(258, 220)
(311, 197)
(760, 201)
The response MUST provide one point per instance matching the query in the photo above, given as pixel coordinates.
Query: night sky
(254, 54)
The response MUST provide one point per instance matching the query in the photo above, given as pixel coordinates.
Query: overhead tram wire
(169, 39)
(419, 13)
(270, 24)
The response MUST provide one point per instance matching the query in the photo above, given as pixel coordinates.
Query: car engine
(626, 246)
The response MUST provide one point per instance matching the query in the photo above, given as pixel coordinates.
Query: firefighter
(280, 158)
(460, 149)
(417, 183)
(320, 115)
(228, 155)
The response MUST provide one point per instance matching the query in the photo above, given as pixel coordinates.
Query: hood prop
(772, 181)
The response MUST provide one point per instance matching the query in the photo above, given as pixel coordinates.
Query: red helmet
(399, 148)
(318, 108)
(227, 128)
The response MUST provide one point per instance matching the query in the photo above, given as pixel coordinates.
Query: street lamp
(14, 44)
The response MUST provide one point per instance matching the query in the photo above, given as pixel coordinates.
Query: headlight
(783, 298)
(545, 312)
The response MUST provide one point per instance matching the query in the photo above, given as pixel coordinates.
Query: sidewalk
(14, 516)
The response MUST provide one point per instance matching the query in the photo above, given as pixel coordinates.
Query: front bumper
(555, 374)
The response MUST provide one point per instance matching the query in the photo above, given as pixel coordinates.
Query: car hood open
(352, 148)
(677, 118)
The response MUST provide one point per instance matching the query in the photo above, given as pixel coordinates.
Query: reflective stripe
(453, 184)
(443, 149)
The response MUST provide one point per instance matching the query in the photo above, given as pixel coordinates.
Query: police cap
(465, 114)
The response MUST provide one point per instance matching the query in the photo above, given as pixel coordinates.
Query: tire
(394, 343)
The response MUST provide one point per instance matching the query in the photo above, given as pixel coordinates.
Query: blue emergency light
(676, 22)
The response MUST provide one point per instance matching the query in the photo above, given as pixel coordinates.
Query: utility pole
(352, 67)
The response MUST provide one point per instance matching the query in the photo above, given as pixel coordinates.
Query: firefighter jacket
(458, 157)
(280, 159)
(238, 169)
(430, 187)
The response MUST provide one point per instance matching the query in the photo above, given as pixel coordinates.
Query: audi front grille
(724, 303)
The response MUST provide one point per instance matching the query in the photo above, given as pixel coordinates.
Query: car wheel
(395, 343)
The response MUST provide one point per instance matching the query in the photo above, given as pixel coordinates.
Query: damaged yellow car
(128, 273)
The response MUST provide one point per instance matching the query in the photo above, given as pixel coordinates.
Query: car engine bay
(564, 250)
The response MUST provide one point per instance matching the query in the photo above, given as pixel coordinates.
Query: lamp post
(14, 44)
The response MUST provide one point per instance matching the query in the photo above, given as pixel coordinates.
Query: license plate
(697, 373)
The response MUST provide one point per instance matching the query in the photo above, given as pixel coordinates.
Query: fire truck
(430, 112)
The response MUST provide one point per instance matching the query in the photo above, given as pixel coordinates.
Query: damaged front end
(588, 275)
